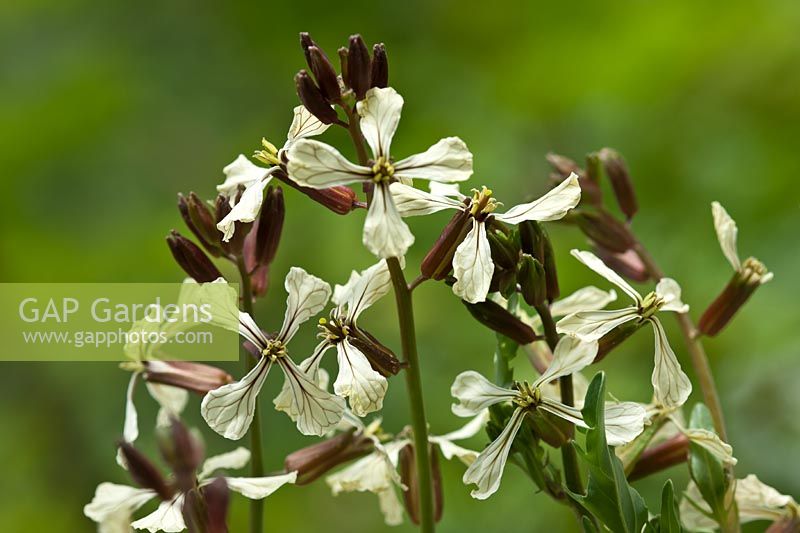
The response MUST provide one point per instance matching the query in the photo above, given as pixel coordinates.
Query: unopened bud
(381, 358)
(409, 478)
(217, 497)
(605, 230)
(325, 74)
(144, 473)
(306, 42)
(505, 251)
(311, 97)
(738, 290)
(317, 459)
(195, 377)
(200, 220)
(551, 273)
(340, 199)
(193, 510)
(563, 164)
(788, 524)
(191, 258)
(270, 226)
(234, 246)
(657, 458)
(380, 66)
(620, 179)
(359, 68)
(182, 451)
(535, 242)
(259, 281)
(495, 317)
(627, 264)
(504, 281)
(615, 337)
(439, 260)
(343, 66)
(553, 430)
(532, 280)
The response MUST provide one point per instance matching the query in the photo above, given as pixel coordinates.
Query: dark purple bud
(620, 179)
(563, 165)
(657, 458)
(195, 377)
(439, 260)
(497, 318)
(532, 280)
(270, 226)
(738, 290)
(591, 180)
(306, 42)
(200, 220)
(193, 510)
(191, 258)
(317, 459)
(409, 478)
(627, 264)
(339, 199)
(182, 451)
(144, 473)
(359, 68)
(311, 97)
(217, 497)
(604, 230)
(381, 358)
(324, 73)
(380, 66)
(235, 245)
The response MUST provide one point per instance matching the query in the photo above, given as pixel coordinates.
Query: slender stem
(417, 282)
(419, 423)
(257, 462)
(572, 472)
(695, 348)
(353, 126)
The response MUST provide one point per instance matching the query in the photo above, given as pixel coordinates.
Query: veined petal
(257, 488)
(233, 460)
(470, 429)
(308, 295)
(450, 190)
(566, 412)
(229, 409)
(371, 285)
(449, 450)
(112, 500)
(413, 202)
(726, 234)
(487, 469)
(585, 299)
(624, 422)
(552, 206)
(671, 386)
(168, 517)
(319, 166)
(669, 290)
(391, 507)
(385, 233)
(374, 473)
(475, 393)
(241, 171)
(315, 411)
(473, 266)
(357, 381)
(248, 329)
(448, 160)
(592, 325)
(594, 262)
(341, 293)
(571, 355)
(304, 124)
(171, 400)
(380, 114)
(758, 501)
(712, 443)
(247, 209)
(310, 367)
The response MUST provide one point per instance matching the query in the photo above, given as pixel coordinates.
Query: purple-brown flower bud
(191, 258)
(615, 337)
(195, 377)
(324, 73)
(532, 280)
(343, 66)
(657, 458)
(381, 358)
(439, 260)
(311, 97)
(234, 246)
(738, 290)
(182, 451)
(604, 230)
(505, 251)
(359, 67)
(627, 264)
(380, 66)
(200, 220)
(590, 187)
(339, 199)
(193, 510)
(535, 242)
(217, 497)
(620, 179)
(306, 42)
(270, 226)
(144, 473)
(495, 317)
(317, 459)
(409, 478)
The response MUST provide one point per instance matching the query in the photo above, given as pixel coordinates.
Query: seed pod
(217, 497)
(605, 230)
(270, 226)
(144, 473)
(657, 458)
(191, 258)
(720, 312)
(620, 179)
(339, 199)
(195, 377)
(200, 221)
(439, 260)
(359, 68)
(532, 280)
(319, 458)
(381, 358)
(380, 66)
(409, 478)
(627, 264)
(311, 97)
(495, 317)
(324, 73)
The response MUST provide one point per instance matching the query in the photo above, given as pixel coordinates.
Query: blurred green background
(108, 109)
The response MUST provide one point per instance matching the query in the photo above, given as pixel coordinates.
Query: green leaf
(588, 525)
(670, 520)
(608, 496)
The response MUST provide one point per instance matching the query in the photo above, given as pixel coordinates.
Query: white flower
(624, 421)
(671, 386)
(113, 504)
(751, 269)
(318, 165)
(472, 262)
(754, 500)
(243, 173)
(229, 409)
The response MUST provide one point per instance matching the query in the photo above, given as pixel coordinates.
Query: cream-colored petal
(363, 387)
(374, 473)
(171, 400)
(414, 202)
(671, 386)
(385, 233)
(130, 427)
(592, 325)
(319, 166)
(470, 429)
(552, 206)
(391, 507)
(473, 266)
(232, 460)
(567, 412)
(304, 124)
(475, 393)
(571, 355)
(257, 488)
(712, 443)
(448, 160)
(585, 299)
(368, 287)
(486, 471)
(380, 114)
(624, 422)
(112, 500)
(229, 409)
(168, 517)
(669, 290)
(694, 511)
(596, 264)
(246, 210)
(726, 234)
(240, 172)
(314, 410)
(307, 296)
(450, 190)
(758, 501)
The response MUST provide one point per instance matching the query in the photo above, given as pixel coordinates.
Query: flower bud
(311, 97)
(409, 478)
(343, 66)
(217, 497)
(195, 377)
(259, 281)
(193, 510)
(620, 179)
(317, 459)
(495, 317)
(234, 246)
(359, 68)
(504, 281)
(531, 278)
(789, 524)
(505, 251)
(553, 430)
(563, 164)
(270, 226)
(591, 180)
(605, 230)
(439, 260)
(380, 66)
(615, 337)
(535, 242)
(182, 451)
(339, 199)
(144, 473)
(551, 273)
(627, 264)
(325, 74)
(200, 221)
(191, 258)
(381, 358)
(590, 187)
(306, 42)
(738, 290)
(657, 458)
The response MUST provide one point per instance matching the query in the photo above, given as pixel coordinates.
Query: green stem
(257, 462)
